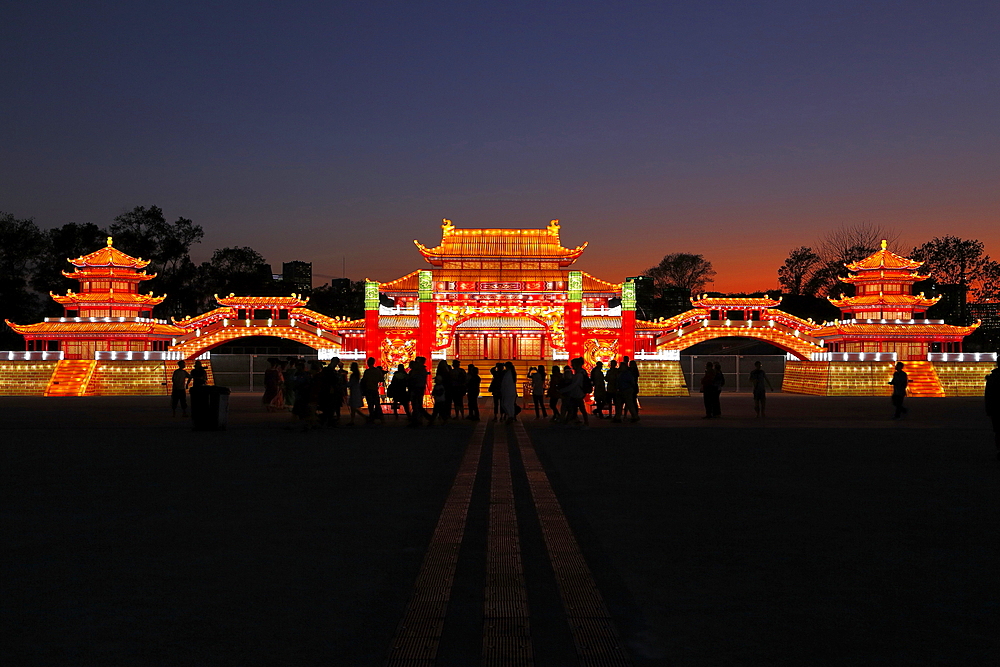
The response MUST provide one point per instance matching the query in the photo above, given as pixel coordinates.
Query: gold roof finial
(109, 241)
(883, 244)
(446, 225)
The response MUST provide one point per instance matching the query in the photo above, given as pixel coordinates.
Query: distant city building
(299, 274)
(951, 307)
(988, 313)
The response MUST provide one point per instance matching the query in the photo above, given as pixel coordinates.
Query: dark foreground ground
(827, 534)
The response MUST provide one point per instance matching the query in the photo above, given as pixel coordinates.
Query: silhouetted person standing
(760, 384)
(537, 377)
(597, 379)
(628, 390)
(370, 380)
(439, 393)
(398, 392)
(576, 390)
(508, 391)
(416, 381)
(472, 384)
(611, 390)
(718, 383)
(554, 393)
(708, 390)
(179, 381)
(495, 388)
(272, 384)
(899, 381)
(992, 398)
(456, 389)
(199, 376)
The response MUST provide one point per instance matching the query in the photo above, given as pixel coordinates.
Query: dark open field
(826, 534)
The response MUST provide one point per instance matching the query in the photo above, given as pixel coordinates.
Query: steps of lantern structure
(71, 377)
(923, 380)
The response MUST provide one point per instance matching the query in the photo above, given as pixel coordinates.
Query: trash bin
(209, 408)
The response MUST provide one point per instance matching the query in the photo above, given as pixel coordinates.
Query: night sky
(316, 130)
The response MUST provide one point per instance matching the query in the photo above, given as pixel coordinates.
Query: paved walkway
(506, 611)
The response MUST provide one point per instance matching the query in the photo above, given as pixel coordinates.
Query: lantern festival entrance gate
(493, 295)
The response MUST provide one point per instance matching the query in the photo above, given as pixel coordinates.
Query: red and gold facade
(495, 295)
(108, 313)
(498, 294)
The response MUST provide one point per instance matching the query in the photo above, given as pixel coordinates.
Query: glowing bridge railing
(25, 355)
(961, 356)
(849, 356)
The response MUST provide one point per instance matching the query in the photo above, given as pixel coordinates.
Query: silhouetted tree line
(32, 261)
(811, 274)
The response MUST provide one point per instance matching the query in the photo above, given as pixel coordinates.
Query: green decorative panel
(575, 292)
(628, 295)
(371, 295)
(425, 286)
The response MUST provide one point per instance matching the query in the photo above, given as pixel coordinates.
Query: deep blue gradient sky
(316, 130)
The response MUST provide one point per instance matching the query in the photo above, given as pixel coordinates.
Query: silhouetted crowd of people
(319, 394)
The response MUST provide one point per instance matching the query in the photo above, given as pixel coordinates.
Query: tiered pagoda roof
(541, 245)
(884, 259)
(109, 263)
(108, 298)
(104, 266)
(887, 272)
(884, 329)
(888, 300)
(109, 256)
(97, 327)
(892, 276)
(535, 259)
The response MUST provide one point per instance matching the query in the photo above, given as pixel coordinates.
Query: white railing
(560, 356)
(962, 356)
(396, 310)
(659, 355)
(327, 353)
(598, 312)
(25, 355)
(129, 355)
(848, 356)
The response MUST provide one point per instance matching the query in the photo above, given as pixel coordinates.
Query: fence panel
(243, 372)
(736, 369)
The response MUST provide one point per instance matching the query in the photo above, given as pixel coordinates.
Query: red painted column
(573, 315)
(427, 335)
(626, 336)
(373, 333)
(573, 326)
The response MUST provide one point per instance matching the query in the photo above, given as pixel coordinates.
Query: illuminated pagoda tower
(885, 316)
(498, 294)
(107, 314)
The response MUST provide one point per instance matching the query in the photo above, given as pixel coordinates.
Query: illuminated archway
(212, 339)
(780, 336)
